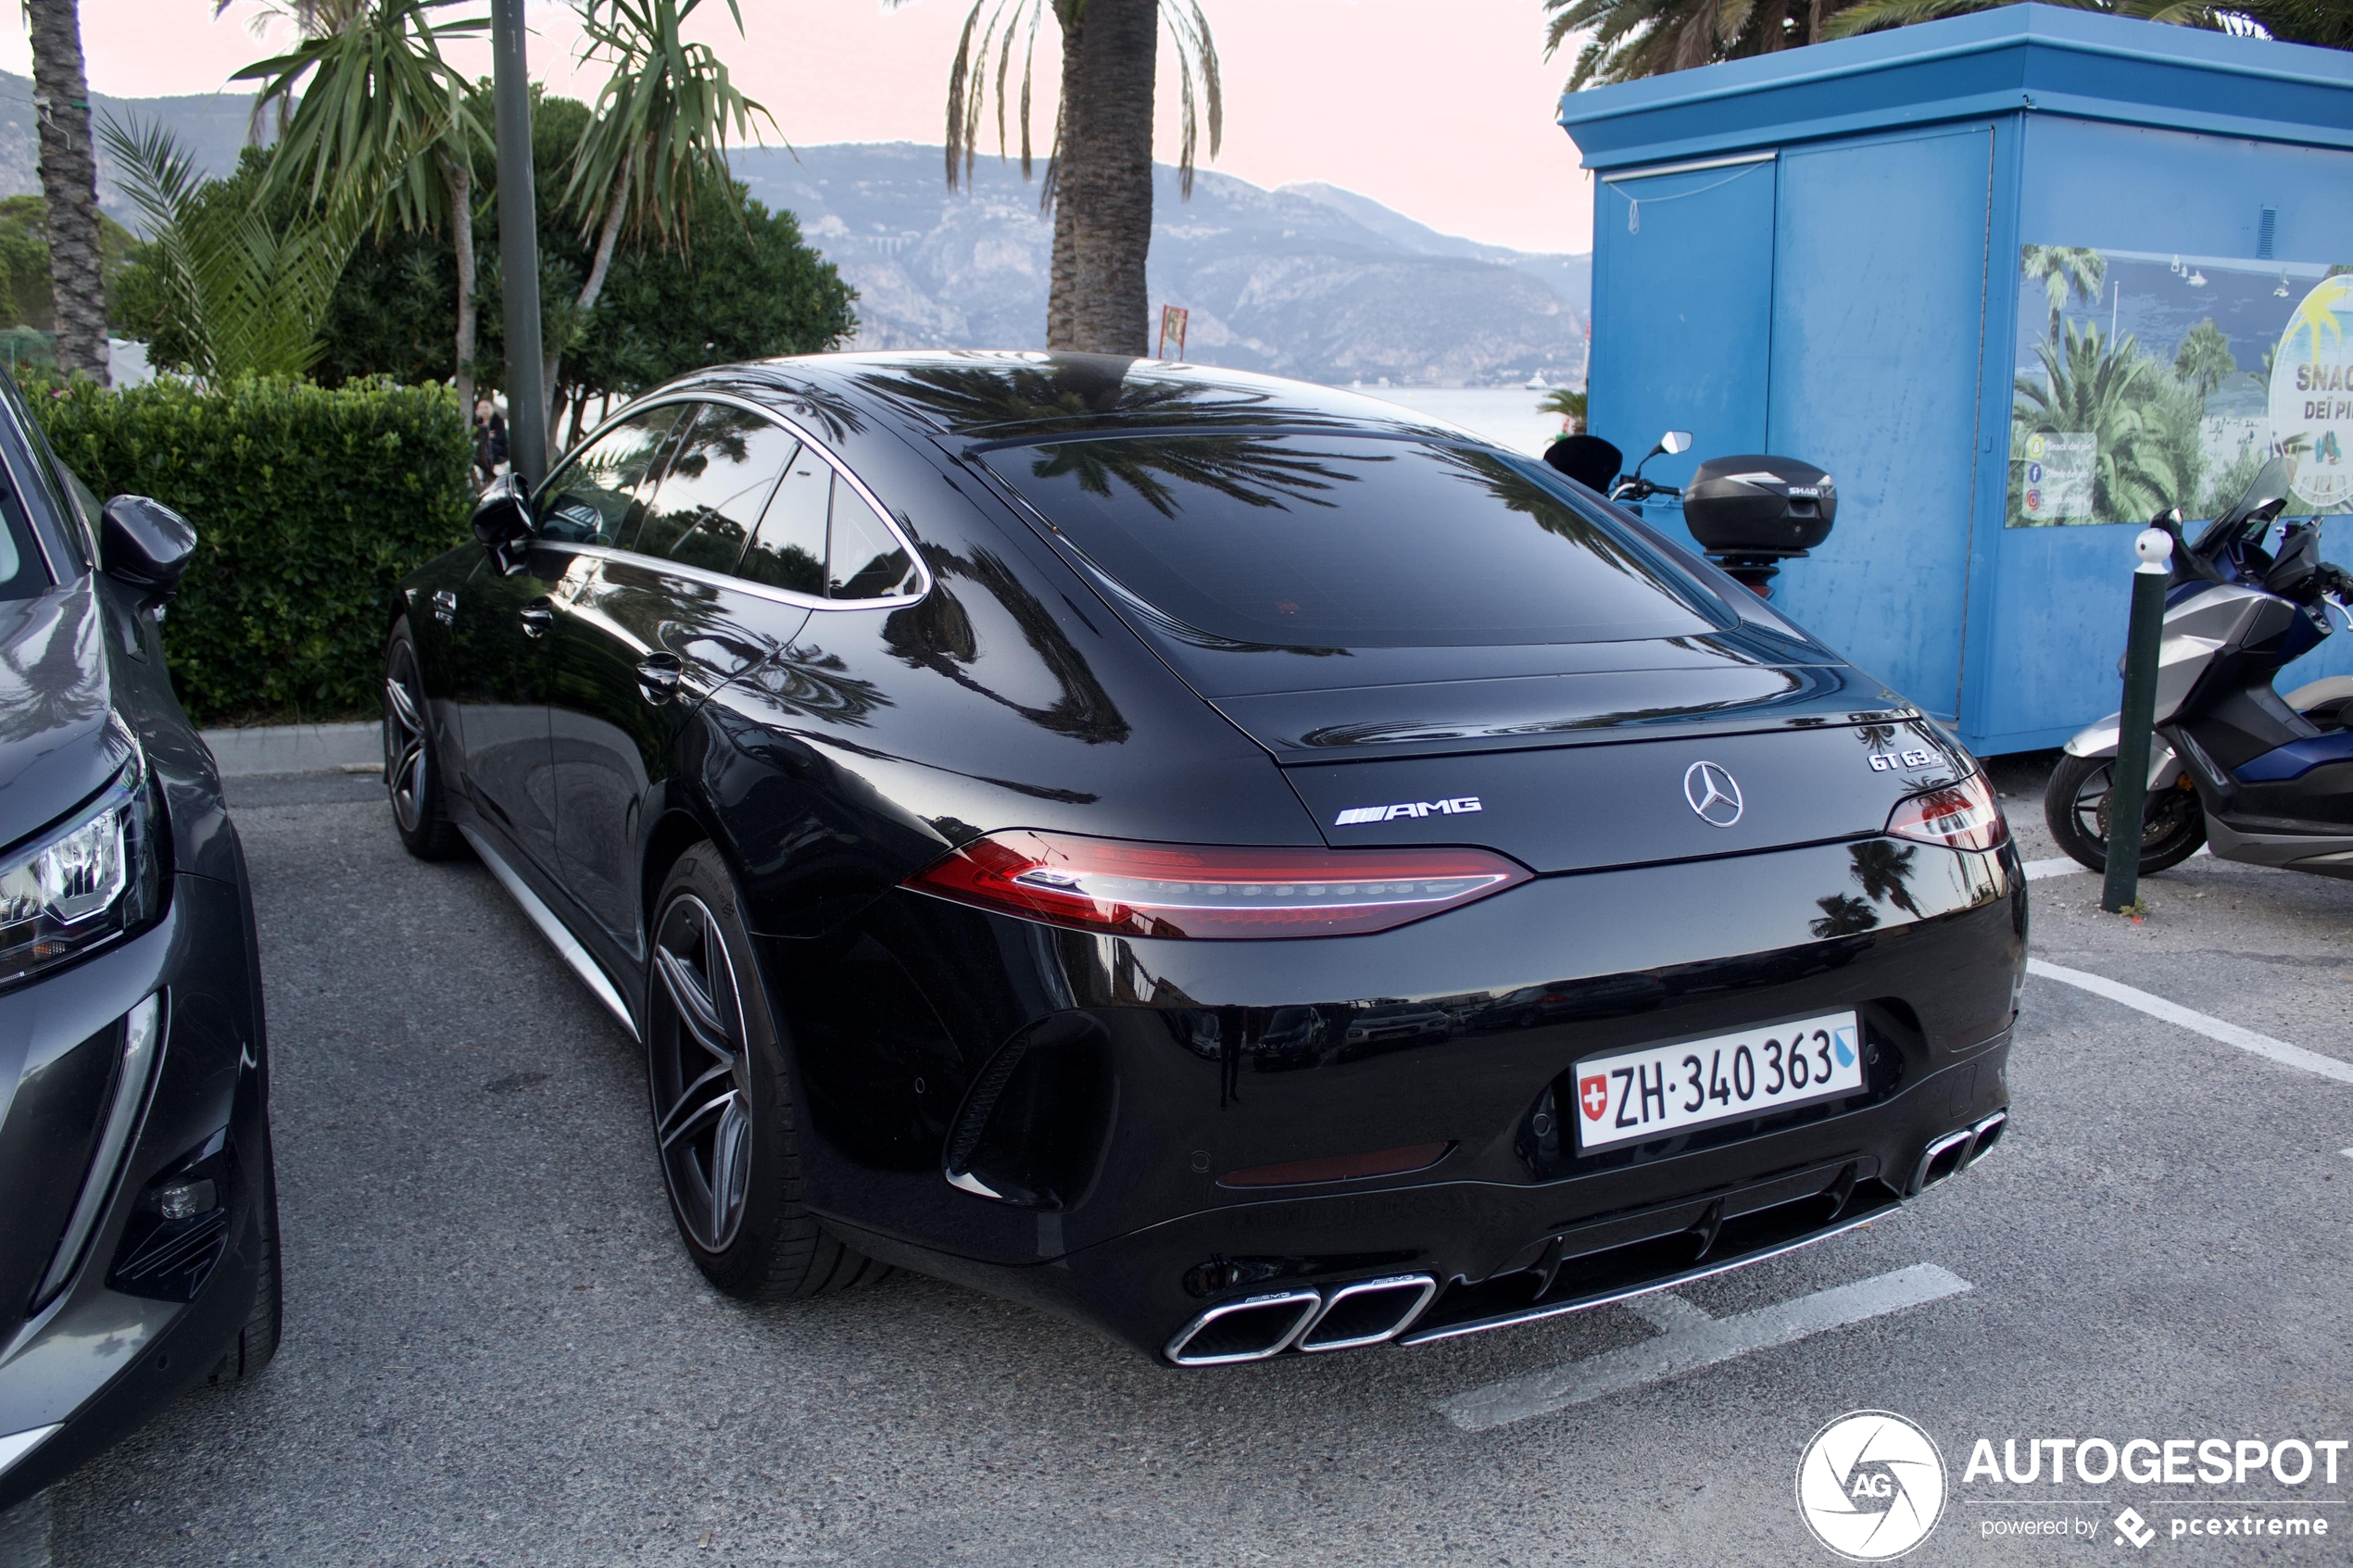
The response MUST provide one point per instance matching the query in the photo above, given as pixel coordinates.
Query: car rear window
(1346, 542)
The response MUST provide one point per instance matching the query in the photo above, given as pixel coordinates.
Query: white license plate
(1663, 1089)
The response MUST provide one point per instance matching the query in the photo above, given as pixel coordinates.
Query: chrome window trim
(729, 580)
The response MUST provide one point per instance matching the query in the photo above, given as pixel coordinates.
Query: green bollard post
(2128, 795)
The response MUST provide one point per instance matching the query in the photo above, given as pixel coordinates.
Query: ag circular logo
(1870, 1485)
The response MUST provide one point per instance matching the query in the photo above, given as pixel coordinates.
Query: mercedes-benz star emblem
(1713, 794)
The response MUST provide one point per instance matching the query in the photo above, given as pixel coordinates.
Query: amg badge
(1356, 814)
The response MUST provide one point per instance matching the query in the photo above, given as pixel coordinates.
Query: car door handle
(658, 677)
(537, 616)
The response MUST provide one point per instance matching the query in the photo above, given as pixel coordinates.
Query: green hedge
(307, 504)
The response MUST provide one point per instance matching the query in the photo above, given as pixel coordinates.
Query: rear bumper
(95, 1362)
(1174, 1066)
(1501, 1254)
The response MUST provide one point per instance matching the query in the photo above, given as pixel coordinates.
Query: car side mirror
(502, 518)
(144, 546)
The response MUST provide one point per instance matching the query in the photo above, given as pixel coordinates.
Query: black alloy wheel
(2075, 805)
(722, 1116)
(411, 778)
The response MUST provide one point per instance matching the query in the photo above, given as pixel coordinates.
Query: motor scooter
(2257, 775)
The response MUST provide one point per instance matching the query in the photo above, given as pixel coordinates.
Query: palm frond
(250, 294)
(663, 119)
(160, 178)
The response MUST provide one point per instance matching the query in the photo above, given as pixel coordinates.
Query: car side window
(789, 549)
(865, 559)
(713, 487)
(596, 498)
(58, 522)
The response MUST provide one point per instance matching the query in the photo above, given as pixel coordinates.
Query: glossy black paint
(82, 682)
(1103, 1086)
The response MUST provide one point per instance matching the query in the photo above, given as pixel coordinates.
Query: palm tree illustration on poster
(2154, 381)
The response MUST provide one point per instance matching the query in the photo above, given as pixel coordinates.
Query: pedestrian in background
(490, 440)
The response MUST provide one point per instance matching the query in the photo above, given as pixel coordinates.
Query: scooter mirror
(2268, 491)
(1674, 441)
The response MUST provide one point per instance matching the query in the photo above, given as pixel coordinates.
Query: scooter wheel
(2076, 807)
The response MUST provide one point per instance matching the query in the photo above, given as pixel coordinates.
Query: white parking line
(1693, 1340)
(2212, 1028)
(2061, 865)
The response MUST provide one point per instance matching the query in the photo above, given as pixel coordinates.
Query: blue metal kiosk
(2016, 279)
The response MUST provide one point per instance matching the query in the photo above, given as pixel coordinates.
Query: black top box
(1752, 504)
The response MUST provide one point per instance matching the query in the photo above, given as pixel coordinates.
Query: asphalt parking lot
(498, 1353)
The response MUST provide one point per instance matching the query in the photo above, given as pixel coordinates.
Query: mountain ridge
(1308, 280)
(1314, 281)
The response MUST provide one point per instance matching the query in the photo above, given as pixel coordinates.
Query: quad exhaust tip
(1362, 1312)
(1368, 1312)
(1956, 1152)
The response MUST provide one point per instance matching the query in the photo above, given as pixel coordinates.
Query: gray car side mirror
(144, 545)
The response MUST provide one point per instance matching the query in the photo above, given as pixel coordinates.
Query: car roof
(1009, 395)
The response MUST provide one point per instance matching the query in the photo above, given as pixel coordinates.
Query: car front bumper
(94, 1362)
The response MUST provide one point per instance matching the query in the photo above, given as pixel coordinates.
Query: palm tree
(68, 186)
(1099, 175)
(2204, 360)
(2121, 398)
(2062, 268)
(659, 125)
(1569, 404)
(384, 125)
(311, 19)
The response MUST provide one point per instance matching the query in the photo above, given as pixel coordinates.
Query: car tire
(257, 1337)
(720, 1092)
(412, 775)
(2075, 808)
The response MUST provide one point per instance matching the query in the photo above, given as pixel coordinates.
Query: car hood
(59, 744)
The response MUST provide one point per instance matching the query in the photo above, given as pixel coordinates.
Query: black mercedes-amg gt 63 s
(1230, 861)
(138, 1218)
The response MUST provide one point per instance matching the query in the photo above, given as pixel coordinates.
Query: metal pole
(519, 247)
(2127, 793)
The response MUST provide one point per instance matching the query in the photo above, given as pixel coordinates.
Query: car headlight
(79, 885)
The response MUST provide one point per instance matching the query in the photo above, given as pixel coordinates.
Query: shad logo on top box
(1870, 1485)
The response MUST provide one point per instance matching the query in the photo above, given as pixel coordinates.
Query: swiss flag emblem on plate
(1593, 1094)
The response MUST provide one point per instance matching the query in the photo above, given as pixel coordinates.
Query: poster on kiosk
(2151, 378)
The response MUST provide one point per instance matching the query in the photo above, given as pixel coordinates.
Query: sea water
(1508, 416)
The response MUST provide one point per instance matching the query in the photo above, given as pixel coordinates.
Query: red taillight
(1199, 891)
(1961, 816)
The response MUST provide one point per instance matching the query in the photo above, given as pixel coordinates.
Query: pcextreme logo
(1870, 1485)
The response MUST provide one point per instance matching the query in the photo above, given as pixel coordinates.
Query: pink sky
(1442, 111)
